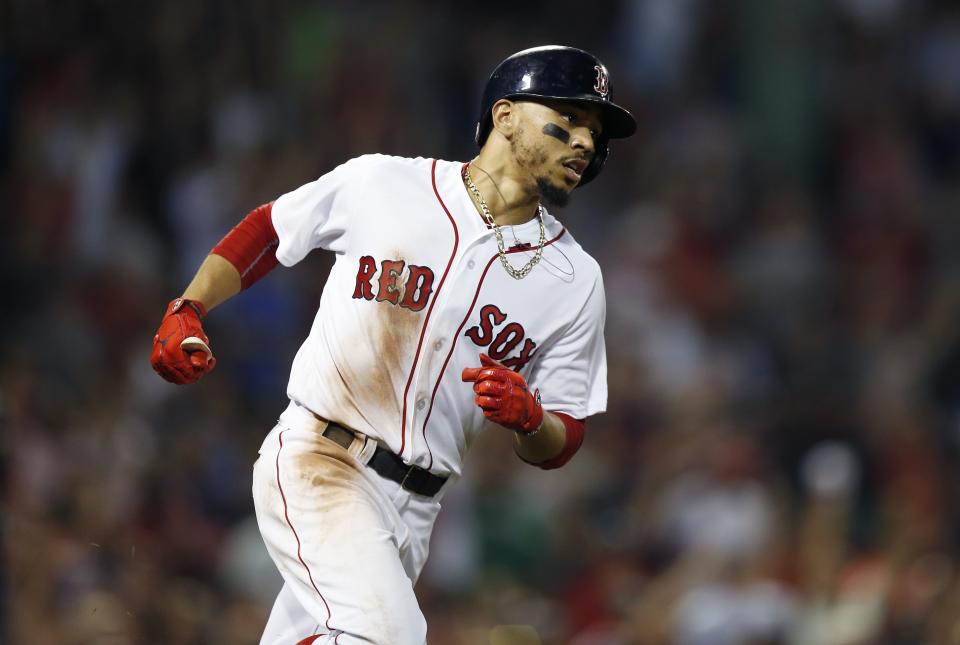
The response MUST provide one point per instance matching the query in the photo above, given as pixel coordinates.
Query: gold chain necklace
(501, 248)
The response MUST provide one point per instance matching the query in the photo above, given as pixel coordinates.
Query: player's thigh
(334, 537)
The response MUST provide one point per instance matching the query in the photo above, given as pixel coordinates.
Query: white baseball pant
(349, 543)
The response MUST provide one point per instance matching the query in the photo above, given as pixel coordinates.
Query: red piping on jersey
(456, 336)
(286, 514)
(436, 294)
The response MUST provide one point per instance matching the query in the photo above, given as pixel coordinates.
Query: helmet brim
(618, 123)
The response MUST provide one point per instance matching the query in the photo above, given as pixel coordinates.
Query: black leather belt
(386, 464)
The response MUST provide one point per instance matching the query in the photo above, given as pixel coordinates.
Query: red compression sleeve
(251, 246)
(574, 440)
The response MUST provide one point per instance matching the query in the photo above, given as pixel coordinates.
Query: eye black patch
(555, 131)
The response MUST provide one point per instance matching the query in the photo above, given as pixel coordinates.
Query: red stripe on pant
(286, 514)
(310, 639)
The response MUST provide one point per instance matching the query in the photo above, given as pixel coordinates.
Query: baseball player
(457, 305)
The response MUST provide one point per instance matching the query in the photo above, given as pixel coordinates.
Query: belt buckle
(406, 476)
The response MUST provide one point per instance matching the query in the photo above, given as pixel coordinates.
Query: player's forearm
(243, 256)
(216, 281)
(545, 444)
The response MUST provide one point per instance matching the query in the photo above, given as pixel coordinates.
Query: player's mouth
(574, 169)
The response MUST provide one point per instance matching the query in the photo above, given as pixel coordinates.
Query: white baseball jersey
(418, 291)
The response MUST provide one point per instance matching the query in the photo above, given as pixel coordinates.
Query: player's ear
(504, 116)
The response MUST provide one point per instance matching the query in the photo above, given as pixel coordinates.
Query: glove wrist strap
(529, 433)
(196, 305)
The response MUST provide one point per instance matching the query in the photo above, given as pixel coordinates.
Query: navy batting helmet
(561, 73)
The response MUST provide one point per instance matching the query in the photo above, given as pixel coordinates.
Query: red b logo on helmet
(601, 87)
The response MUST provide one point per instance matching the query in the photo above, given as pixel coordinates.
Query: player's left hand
(504, 396)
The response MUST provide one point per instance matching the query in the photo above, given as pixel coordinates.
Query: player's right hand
(181, 351)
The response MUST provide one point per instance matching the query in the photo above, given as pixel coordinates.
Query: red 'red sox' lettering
(417, 290)
(368, 266)
(412, 294)
(506, 339)
(390, 271)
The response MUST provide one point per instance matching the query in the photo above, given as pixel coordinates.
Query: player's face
(554, 144)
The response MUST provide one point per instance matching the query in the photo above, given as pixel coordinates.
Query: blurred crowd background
(778, 464)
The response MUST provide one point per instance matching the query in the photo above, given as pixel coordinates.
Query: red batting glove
(504, 396)
(181, 351)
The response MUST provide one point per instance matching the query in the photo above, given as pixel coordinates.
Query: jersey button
(471, 264)
(438, 345)
(421, 404)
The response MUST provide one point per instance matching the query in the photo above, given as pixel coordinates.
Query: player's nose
(581, 138)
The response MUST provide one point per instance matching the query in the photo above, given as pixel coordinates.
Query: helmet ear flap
(484, 127)
(601, 150)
